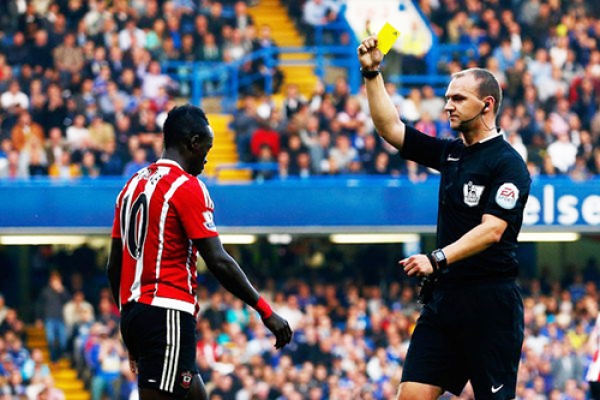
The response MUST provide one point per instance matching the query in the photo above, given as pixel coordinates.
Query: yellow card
(386, 37)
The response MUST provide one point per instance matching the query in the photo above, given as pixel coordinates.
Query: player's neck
(174, 155)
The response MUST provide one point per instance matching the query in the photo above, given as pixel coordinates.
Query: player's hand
(368, 54)
(417, 265)
(280, 328)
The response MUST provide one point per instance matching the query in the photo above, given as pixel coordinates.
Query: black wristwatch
(440, 258)
(369, 74)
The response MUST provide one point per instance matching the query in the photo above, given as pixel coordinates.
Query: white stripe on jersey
(163, 219)
(165, 302)
(135, 286)
(207, 200)
(188, 268)
(152, 182)
(132, 185)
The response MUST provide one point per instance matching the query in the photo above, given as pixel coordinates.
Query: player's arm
(487, 233)
(113, 268)
(230, 275)
(384, 113)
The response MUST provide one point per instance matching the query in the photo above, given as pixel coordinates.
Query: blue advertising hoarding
(293, 206)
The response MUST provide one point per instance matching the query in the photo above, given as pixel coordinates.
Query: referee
(471, 327)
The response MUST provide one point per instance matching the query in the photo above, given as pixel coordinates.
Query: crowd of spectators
(24, 372)
(545, 54)
(351, 335)
(83, 92)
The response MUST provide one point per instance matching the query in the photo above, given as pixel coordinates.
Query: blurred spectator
(11, 167)
(75, 313)
(108, 354)
(264, 135)
(35, 369)
(154, 79)
(25, 132)
(68, 58)
(341, 155)
(3, 309)
(267, 66)
(139, 161)
(430, 103)
(78, 135)
(101, 133)
(64, 167)
(14, 100)
(49, 313)
(317, 13)
(562, 153)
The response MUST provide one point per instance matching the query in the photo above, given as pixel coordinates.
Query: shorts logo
(186, 379)
(507, 196)
(472, 194)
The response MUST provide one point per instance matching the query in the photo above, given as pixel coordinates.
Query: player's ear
(193, 143)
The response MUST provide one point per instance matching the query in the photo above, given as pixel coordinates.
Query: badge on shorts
(472, 194)
(507, 196)
(186, 379)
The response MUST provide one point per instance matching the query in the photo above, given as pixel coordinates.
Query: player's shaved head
(182, 123)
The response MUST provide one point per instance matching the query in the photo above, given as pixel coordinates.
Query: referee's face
(463, 105)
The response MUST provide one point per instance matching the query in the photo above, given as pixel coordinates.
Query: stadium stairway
(297, 68)
(224, 151)
(65, 377)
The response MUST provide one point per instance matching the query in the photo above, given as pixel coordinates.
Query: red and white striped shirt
(158, 213)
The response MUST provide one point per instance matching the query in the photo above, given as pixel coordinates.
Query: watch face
(439, 255)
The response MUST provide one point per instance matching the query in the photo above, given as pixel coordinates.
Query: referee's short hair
(182, 123)
(488, 84)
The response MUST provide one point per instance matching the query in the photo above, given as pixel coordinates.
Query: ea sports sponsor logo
(507, 196)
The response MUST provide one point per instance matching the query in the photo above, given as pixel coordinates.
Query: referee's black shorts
(163, 342)
(469, 333)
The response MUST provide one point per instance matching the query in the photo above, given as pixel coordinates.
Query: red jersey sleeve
(195, 209)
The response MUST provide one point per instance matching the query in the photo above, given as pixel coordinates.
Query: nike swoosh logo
(452, 159)
(497, 389)
(154, 381)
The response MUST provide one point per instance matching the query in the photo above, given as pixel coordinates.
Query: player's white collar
(168, 161)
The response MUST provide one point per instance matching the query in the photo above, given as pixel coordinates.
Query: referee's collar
(485, 140)
(169, 161)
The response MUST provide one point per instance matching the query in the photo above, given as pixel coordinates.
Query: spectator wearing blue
(139, 161)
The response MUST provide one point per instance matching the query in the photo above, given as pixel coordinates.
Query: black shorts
(469, 333)
(163, 342)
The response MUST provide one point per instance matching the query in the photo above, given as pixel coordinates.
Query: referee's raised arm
(384, 113)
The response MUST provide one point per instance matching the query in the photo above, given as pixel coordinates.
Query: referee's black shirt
(488, 177)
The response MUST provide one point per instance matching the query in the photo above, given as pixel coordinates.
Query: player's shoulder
(196, 188)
